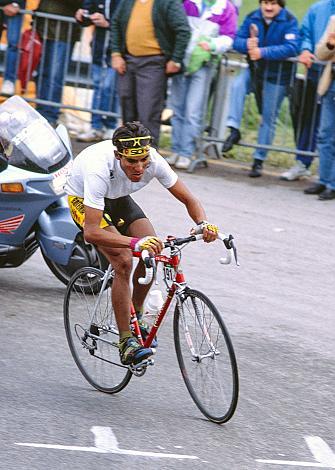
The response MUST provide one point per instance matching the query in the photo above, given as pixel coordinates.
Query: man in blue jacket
(268, 35)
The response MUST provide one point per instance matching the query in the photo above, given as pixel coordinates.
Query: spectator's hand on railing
(99, 20)
(119, 64)
(306, 58)
(11, 9)
(255, 54)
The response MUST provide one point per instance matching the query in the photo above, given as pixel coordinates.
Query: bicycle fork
(197, 357)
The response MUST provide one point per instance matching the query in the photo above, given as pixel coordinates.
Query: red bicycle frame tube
(166, 260)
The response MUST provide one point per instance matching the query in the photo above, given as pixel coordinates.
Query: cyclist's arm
(101, 237)
(193, 206)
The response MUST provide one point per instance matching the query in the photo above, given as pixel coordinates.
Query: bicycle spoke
(92, 333)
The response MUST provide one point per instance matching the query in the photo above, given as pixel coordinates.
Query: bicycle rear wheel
(206, 356)
(91, 331)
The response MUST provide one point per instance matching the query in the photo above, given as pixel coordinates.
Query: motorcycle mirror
(65, 138)
(3, 163)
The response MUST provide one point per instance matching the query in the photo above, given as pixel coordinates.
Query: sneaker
(131, 351)
(327, 194)
(316, 188)
(183, 163)
(297, 171)
(171, 159)
(8, 88)
(108, 134)
(94, 135)
(145, 330)
(231, 140)
(256, 169)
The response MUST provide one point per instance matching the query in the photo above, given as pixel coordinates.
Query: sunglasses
(131, 142)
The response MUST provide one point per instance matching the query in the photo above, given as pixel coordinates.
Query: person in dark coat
(148, 43)
(105, 93)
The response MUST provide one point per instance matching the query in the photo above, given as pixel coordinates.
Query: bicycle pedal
(141, 365)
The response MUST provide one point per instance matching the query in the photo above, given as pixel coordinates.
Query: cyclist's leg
(131, 350)
(121, 260)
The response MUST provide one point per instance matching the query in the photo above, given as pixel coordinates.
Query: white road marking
(106, 443)
(324, 456)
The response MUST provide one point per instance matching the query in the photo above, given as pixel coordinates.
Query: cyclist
(99, 187)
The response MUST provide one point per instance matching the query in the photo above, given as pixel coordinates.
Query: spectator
(58, 37)
(213, 26)
(268, 75)
(307, 116)
(325, 50)
(148, 43)
(105, 95)
(13, 20)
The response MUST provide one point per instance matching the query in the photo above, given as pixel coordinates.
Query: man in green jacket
(58, 38)
(148, 43)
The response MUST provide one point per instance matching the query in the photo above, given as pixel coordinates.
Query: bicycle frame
(178, 284)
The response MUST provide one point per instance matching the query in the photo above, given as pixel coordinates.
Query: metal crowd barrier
(297, 123)
(77, 73)
(292, 135)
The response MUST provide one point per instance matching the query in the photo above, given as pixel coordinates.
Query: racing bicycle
(203, 346)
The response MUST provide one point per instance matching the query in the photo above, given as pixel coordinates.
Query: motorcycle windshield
(28, 141)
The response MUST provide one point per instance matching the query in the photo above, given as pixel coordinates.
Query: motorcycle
(34, 213)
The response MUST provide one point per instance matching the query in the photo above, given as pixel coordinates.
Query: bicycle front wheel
(91, 331)
(206, 356)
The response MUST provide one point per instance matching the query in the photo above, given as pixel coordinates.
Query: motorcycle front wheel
(83, 255)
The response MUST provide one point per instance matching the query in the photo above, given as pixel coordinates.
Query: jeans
(188, 102)
(305, 113)
(105, 96)
(273, 95)
(51, 77)
(240, 88)
(326, 140)
(14, 24)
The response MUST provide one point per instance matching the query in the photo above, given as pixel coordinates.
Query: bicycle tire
(97, 359)
(209, 371)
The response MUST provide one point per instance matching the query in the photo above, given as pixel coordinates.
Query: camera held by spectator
(84, 16)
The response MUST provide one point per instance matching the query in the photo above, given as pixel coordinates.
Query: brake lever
(232, 244)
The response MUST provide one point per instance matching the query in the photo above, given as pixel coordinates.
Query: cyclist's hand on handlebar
(152, 244)
(209, 231)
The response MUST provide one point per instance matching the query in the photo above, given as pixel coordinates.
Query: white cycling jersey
(97, 174)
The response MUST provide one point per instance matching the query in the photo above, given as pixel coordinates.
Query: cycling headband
(134, 147)
(135, 152)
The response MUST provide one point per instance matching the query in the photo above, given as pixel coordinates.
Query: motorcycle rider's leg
(140, 228)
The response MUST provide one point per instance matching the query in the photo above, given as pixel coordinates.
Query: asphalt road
(278, 306)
